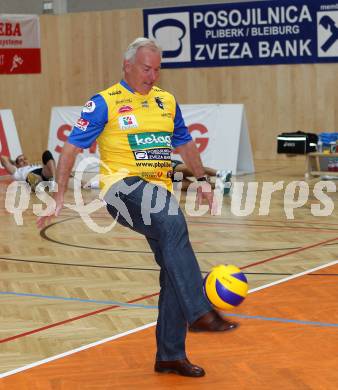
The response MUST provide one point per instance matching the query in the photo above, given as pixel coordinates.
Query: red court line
(73, 319)
(290, 252)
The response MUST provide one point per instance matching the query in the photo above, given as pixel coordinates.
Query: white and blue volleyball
(225, 286)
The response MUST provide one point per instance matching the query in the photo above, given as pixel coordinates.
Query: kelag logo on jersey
(251, 33)
(161, 139)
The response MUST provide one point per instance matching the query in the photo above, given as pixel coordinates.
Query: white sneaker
(49, 186)
(91, 185)
(219, 185)
(52, 185)
(223, 181)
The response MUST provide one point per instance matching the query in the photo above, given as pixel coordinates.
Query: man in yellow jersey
(135, 125)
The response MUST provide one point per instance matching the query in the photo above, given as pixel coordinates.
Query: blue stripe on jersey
(96, 122)
(181, 133)
(126, 86)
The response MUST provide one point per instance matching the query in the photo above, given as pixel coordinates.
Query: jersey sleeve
(181, 133)
(91, 123)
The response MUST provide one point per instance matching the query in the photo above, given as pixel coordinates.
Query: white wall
(21, 6)
(60, 6)
(90, 5)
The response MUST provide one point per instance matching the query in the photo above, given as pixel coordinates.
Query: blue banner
(252, 33)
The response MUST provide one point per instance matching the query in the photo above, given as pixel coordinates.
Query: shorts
(38, 171)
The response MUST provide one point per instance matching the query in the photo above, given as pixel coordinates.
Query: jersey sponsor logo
(124, 109)
(151, 175)
(141, 155)
(128, 122)
(159, 102)
(113, 93)
(89, 106)
(166, 115)
(82, 124)
(153, 154)
(145, 104)
(123, 101)
(161, 139)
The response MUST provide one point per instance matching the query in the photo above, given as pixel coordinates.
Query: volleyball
(225, 286)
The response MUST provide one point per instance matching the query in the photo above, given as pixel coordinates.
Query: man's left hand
(204, 191)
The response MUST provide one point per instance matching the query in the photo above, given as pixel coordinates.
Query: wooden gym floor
(78, 308)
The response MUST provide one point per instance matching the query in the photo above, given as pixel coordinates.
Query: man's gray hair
(131, 51)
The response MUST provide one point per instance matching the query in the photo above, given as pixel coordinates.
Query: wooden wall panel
(81, 55)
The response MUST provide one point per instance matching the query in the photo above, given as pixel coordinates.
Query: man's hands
(45, 220)
(6, 162)
(65, 164)
(204, 191)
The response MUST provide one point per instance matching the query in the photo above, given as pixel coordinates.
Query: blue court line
(79, 300)
(122, 304)
(286, 320)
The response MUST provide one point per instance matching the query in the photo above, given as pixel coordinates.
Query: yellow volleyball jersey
(136, 140)
(135, 133)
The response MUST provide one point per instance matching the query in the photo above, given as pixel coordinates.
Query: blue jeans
(181, 300)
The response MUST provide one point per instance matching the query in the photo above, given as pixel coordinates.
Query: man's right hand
(46, 219)
(65, 164)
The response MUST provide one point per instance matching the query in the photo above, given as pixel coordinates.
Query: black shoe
(212, 322)
(179, 367)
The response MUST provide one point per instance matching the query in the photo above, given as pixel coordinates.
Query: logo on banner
(4, 150)
(19, 44)
(285, 32)
(128, 122)
(327, 27)
(16, 62)
(172, 32)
